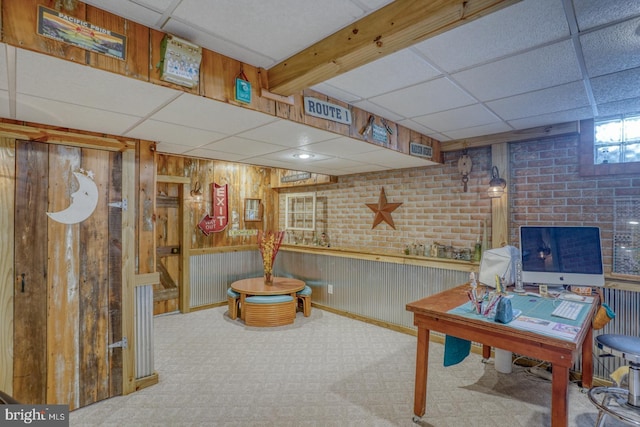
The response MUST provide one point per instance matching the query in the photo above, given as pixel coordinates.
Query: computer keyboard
(567, 310)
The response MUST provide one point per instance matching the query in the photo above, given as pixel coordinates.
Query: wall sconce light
(496, 185)
(196, 193)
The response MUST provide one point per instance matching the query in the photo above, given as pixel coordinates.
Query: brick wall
(545, 187)
(434, 206)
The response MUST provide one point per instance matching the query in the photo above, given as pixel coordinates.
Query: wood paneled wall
(245, 182)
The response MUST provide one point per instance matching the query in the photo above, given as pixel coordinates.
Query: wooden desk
(256, 286)
(430, 314)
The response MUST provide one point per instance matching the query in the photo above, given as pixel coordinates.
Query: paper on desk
(547, 327)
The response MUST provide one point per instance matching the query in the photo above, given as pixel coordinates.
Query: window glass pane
(608, 131)
(632, 152)
(607, 154)
(632, 129)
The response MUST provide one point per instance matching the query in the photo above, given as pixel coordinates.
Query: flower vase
(268, 279)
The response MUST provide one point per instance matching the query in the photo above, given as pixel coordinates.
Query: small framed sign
(243, 90)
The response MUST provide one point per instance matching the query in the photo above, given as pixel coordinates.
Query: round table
(256, 286)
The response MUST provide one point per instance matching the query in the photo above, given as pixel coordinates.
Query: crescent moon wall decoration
(83, 201)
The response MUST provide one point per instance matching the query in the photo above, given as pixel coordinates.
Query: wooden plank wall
(245, 182)
(7, 274)
(217, 72)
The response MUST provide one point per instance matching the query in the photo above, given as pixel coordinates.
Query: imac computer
(557, 255)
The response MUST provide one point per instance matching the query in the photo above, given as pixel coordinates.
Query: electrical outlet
(330, 289)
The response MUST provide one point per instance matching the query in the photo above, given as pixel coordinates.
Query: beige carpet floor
(325, 370)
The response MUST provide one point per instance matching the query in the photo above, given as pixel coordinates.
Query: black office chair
(619, 402)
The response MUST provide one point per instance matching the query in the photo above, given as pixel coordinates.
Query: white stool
(620, 403)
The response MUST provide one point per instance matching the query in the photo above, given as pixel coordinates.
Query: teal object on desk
(504, 312)
(455, 350)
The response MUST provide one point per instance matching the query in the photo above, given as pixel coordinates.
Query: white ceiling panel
(384, 75)
(373, 108)
(428, 97)
(4, 104)
(243, 146)
(171, 133)
(548, 66)
(619, 107)
(464, 117)
(345, 147)
(142, 13)
(560, 98)
(289, 156)
(616, 87)
(291, 25)
(507, 31)
(593, 13)
(287, 133)
(85, 86)
(612, 49)
(543, 120)
(4, 84)
(56, 113)
(393, 159)
(212, 154)
(463, 133)
(202, 113)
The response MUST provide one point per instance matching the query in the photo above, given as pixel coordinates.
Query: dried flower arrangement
(269, 243)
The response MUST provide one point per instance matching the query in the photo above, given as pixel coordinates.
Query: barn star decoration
(383, 210)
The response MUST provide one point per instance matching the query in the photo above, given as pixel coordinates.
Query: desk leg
(422, 366)
(486, 351)
(587, 359)
(559, 396)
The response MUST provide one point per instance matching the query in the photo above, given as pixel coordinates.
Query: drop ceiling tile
(340, 147)
(213, 154)
(619, 107)
(56, 113)
(555, 118)
(560, 98)
(521, 26)
(472, 132)
(201, 37)
(4, 104)
(287, 133)
(464, 117)
(244, 146)
(392, 72)
(392, 159)
(72, 83)
(612, 49)
(335, 93)
(378, 110)
(409, 123)
(146, 14)
(289, 156)
(425, 98)
(339, 164)
(548, 66)
(165, 147)
(4, 84)
(617, 86)
(207, 114)
(283, 27)
(593, 13)
(172, 133)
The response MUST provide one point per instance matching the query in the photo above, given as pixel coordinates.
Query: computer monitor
(557, 255)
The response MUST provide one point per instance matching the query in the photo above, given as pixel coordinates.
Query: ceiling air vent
(420, 150)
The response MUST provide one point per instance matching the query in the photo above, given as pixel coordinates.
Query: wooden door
(166, 294)
(68, 290)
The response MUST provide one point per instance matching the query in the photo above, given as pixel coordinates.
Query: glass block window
(626, 237)
(617, 139)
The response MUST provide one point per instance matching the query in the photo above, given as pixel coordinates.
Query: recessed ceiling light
(303, 156)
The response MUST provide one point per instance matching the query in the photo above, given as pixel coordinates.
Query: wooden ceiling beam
(396, 26)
